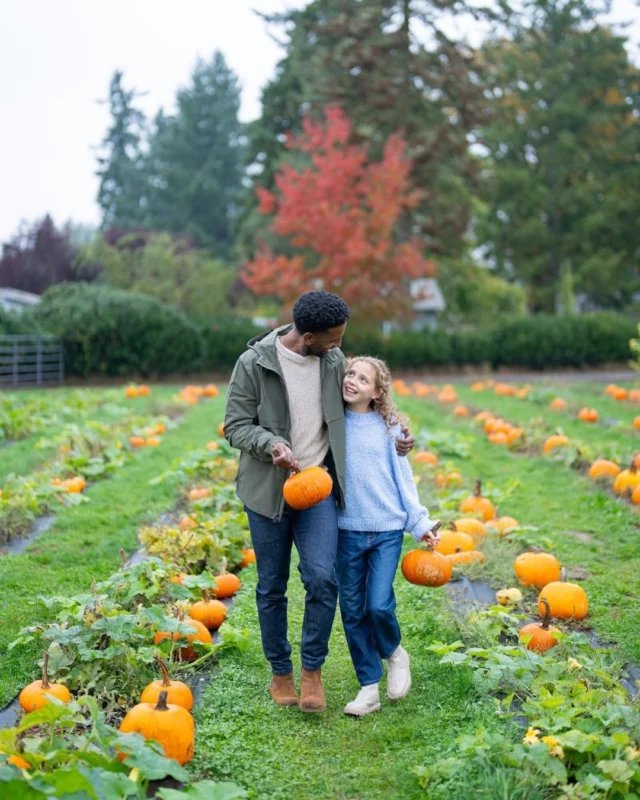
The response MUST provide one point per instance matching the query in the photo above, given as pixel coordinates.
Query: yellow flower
(633, 753)
(134, 775)
(550, 741)
(573, 664)
(531, 736)
(557, 751)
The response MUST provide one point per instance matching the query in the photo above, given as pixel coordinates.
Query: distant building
(17, 300)
(428, 301)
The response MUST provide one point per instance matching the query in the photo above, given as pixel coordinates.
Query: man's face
(320, 343)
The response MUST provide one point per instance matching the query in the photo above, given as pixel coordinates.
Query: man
(284, 412)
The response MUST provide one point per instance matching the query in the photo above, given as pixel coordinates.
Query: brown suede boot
(283, 691)
(311, 691)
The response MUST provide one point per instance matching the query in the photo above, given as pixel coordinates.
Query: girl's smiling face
(359, 385)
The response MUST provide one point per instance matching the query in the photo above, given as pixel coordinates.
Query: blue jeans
(315, 534)
(367, 564)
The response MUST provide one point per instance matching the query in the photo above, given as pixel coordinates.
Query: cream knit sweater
(309, 440)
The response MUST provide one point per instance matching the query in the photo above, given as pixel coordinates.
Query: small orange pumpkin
(602, 467)
(620, 393)
(447, 394)
(131, 391)
(212, 445)
(201, 635)
(211, 390)
(178, 693)
(498, 438)
(170, 725)
(566, 600)
(588, 415)
(542, 638)
(307, 488)
(211, 613)
(472, 526)
(136, 441)
(483, 416)
(558, 403)
(425, 457)
(557, 440)
(248, 557)
(199, 494)
(426, 568)
(465, 557)
(478, 386)
(461, 411)
(33, 696)
(635, 496)
(187, 523)
(477, 504)
(221, 429)
(144, 390)
(227, 584)
(636, 422)
(152, 441)
(536, 569)
(504, 525)
(452, 541)
(627, 480)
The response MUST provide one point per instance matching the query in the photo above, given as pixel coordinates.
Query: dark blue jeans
(315, 534)
(367, 564)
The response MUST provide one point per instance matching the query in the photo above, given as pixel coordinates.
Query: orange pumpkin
(611, 388)
(178, 693)
(227, 584)
(558, 403)
(504, 525)
(635, 496)
(461, 411)
(212, 445)
(465, 557)
(453, 541)
(557, 440)
(201, 635)
(211, 390)
(498, 438)
(636, 422)
(634, 395)
(136, 441)
(449, 479)
(478, 386)
(542, 638)
(307, 488)
(472, 526)
(514, 434)
(160, 428)
(483, 416)
(199, 494)
(602, 467)
(221, 429)
(588, 415)
(536, 569)
(152, 441)
(144, 390)
(565, 600)
(620, 394)
(170, 725)
(448, 394)
(131, 391)
(627, 480)
(477, 504)
(179, 578)
(248, 557)
(187, 523)
(211, 613)
(425, 457)
(425, 568)
(34, 696)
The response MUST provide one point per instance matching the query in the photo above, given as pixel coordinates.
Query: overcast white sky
(56, 60)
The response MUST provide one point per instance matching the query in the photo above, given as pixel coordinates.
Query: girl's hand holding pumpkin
(431, 538)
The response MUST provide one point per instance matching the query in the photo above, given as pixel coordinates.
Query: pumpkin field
(130, 655)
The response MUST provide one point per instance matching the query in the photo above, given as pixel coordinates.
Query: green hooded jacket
(257, 417)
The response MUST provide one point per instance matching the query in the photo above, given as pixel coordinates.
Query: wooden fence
(31, 361)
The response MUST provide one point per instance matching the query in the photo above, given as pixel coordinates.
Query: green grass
(562, 503)
(84, 542)
(284, 753)
(23, 456)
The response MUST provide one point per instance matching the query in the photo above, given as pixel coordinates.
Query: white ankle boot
(398, 674)
(368, 700)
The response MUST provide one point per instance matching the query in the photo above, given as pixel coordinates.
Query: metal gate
(31, 360)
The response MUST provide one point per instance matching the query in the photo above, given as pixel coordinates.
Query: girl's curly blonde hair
(384, 403)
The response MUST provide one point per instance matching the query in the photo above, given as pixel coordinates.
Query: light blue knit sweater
(381, 494)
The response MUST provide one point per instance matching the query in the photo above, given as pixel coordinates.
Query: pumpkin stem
(452, 527)
(632, 466)
(223, 567)
(458, 549)
(180, 614)
(166, 678)
(547, 614)
(563, 574)
(45, 666)
(205, 596)
(161, 705)
(123, 556)
(477, 488)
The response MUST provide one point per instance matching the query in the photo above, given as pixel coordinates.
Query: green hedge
(535, 342)
(112, 332)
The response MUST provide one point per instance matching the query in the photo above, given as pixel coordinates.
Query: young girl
(381, 503)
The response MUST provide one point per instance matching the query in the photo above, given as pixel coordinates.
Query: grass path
(562, 503)
(84, 542)
(280, 753)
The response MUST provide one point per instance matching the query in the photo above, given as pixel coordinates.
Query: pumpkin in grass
(588, 415)
(536, 569)
(636, 422)
(504, 525)
(425, 457)
(542, 634)
(452, 540)
(634, 395)
(201, 634)
(74, 485)
(211, 390)
(307, 488)
(199, 494)
(620, 393)
(144, 390)
(248, 557)
(447, 394)
(178, 693)
(448, 479)
(465, 557)
(635, 496)
(179, 577)
(34, 696)
(514, 434)
(483, 416)
(211, 613)
(477, 504)
(610, 389)
(565, 600)
(498, 438)
(558, 403)
(187, 523)
(508, 597)
(131, 391)
(152, 441)
(136, 441)
(160, 428)
(557, 440)
(603, 468)
(227, 584)
(461, 411)
(170, 725)
(221, 429)
(426, 568)
(476, 529)
(627, 480)
(212, 445)
(478, 386)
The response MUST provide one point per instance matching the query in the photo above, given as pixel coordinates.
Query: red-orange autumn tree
(340, 217)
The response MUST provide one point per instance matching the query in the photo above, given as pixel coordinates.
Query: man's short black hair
(318, 311)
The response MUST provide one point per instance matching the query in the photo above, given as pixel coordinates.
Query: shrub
(112, 332)
(225, 339)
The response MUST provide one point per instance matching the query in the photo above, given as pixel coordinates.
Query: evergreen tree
(195, 159)
(562, 168)
(122, 191)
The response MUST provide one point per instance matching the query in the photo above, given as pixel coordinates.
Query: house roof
(426, 295)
